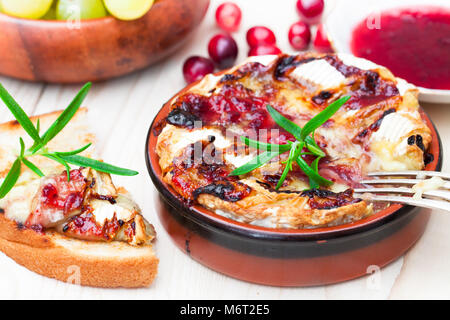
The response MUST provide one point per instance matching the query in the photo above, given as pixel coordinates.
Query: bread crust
(98, 264)
(62, 264)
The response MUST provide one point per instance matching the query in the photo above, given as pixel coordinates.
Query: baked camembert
(379, 128)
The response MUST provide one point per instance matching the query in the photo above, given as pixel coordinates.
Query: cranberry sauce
(58, 196)
(64, 194)
(234, 104)
(226, 190)
(413, 43)
(324, 199)
(368, 88)
(205, 173)
(85, 226)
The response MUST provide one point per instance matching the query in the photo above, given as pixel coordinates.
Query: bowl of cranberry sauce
(411, 38)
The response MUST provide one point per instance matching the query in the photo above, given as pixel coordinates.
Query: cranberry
(223, 50)
(196, 67)
(79, 221)
(49, 194)
(73, 201)
(299, 35)
(263, 50)
(228, 16)
(259, 35)
(321, 42)
(310, 10)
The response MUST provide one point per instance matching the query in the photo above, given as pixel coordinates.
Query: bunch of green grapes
(75, 9)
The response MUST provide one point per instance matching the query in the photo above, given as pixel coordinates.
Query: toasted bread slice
(52, 254)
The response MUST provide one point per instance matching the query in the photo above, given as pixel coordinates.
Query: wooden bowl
(97, 49)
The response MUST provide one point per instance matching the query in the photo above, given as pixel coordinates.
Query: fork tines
(390, 190)
(443, 175)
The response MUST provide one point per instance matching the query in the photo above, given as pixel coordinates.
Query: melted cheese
(393, 127)
(177, 139)
(190, 137)
(264, 60)
(19, 200)
(389, 144)
(433, 183)
(403, 86)
(359, 63)
(207, 84)
(124, 209)
(339, 144)
(319, 73)
(238, 161)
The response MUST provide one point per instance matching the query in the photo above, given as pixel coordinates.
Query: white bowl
(345, 16)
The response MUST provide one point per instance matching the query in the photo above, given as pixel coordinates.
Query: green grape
(80, 9)
(128, 10)
(31, 9)
(51, 13)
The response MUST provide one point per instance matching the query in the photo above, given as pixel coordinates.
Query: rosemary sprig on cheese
(304, 139)
(39, 147)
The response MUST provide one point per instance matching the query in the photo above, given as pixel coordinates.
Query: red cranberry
(73, 201)
(49, 194)
(78, 221)
(263, 50)
(321, 42)
(228, 16)
(223, 50)
(257, 36)
(310, 10)
(196, 67)
(299, 35)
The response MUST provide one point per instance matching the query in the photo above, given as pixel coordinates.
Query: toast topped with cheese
(56, 224)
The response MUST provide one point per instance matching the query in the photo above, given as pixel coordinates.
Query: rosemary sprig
(304, 139)
(39, 147)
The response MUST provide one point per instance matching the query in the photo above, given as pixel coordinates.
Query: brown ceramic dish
(288, 257)
(50, 51)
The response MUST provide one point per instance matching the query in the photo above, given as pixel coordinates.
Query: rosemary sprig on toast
(39, 147)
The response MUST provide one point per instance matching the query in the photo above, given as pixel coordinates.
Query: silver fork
(433, 199)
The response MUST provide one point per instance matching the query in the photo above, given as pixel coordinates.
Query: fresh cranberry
(196, 67)
(263, 50)
(223, 50)
(299, 35)
(228, 16)
(259, 35)
(321, 42)
(310, 10)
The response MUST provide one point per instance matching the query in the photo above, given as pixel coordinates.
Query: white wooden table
(123, 110)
